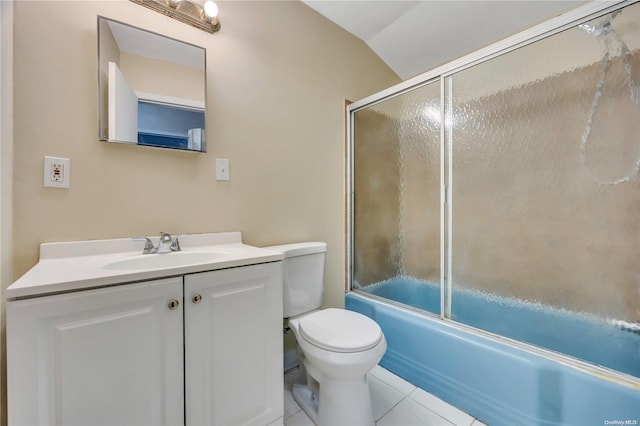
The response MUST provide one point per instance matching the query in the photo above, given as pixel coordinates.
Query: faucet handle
(164, 237)
(175, 244)
(148, 245)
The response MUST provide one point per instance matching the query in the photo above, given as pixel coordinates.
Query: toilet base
(339, 403)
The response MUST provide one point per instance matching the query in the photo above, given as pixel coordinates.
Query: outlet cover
(222, 169)
(57, 172)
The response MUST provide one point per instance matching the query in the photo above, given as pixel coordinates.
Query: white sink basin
(78, 265)
(166, 260)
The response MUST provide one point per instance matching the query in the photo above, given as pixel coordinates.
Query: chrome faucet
(165, 245)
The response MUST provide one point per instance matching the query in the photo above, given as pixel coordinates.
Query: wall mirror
(151, 88)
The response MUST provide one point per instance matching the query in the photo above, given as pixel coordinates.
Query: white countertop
(79, 265)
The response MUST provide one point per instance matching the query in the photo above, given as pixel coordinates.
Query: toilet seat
(339, 330)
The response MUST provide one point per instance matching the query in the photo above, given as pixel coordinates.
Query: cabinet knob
(197, 298)
(173, 304)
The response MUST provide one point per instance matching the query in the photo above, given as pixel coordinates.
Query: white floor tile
(435, 404)
(410, 413)
(391, 379)
(299, 419)
(395, 402)
(383, 397)
(279, 422)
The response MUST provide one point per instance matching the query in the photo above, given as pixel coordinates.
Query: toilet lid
(339, 330)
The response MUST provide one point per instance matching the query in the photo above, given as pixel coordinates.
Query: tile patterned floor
(395, 401)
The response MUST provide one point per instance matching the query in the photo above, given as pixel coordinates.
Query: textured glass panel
(397, 198)
(546, 193)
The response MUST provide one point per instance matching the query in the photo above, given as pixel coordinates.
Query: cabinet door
(111, 356)
(233, 346)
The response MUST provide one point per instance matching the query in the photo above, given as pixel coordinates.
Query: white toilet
(340, 347)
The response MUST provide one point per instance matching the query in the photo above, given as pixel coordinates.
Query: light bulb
(210, 10)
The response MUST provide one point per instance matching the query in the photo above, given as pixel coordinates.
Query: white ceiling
(415, 36)
(151, 45)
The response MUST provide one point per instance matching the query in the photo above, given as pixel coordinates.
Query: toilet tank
(302, 276)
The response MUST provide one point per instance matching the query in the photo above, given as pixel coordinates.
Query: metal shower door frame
(443, 74)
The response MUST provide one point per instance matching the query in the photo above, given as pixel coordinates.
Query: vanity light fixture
(204, 17)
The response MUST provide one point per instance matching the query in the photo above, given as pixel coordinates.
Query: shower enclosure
(502, 192)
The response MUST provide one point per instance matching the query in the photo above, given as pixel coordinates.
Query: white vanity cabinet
(233, 346)
(109, 356)
(203, 348)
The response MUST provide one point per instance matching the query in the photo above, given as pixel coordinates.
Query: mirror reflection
(151, 88)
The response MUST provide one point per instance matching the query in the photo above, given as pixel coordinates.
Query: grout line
(393, 385)
(288, 417)
(394, 406)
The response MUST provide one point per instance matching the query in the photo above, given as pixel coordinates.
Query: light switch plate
(222, 169)
(57, 172)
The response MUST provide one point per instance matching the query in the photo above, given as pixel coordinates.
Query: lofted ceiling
(145, 43)
(412, 37)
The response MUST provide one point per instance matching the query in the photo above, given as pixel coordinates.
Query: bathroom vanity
(100, 334)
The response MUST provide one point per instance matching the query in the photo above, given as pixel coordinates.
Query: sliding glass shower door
(545, 194)
(396, 204)
(522, 172)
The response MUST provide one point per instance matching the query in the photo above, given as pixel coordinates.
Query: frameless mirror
(151, 88)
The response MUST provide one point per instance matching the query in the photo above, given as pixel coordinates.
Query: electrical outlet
(57, 172)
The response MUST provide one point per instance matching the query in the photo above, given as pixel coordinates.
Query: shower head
(601, 27)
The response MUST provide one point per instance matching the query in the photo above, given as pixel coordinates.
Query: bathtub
(499, 381)
(580, 335)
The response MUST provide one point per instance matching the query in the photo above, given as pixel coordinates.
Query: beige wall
(6, 176)
(278, 75)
